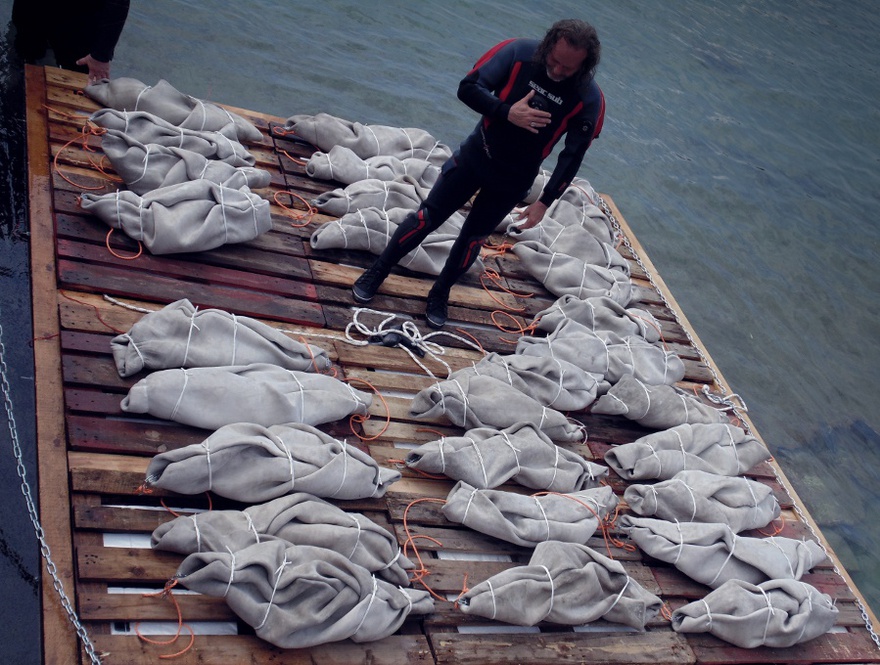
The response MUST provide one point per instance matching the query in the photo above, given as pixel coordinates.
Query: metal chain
(608, 212)
(45, 552)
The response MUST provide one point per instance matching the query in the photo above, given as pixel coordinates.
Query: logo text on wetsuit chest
(556, 99)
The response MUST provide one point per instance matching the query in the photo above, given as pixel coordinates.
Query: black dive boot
(436, 308)
(368, 283)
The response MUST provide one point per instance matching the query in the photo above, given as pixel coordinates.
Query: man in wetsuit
(81, 33)
(529, 93)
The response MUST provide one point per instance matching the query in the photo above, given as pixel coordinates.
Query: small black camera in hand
(539, 102)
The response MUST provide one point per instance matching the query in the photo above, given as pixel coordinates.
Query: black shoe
(368, 283)
(435, 311)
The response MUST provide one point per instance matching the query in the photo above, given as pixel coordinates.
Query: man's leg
(456, 184)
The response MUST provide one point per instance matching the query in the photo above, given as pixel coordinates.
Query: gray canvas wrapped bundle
(145, 167)
(599, 314)
(192, 216)
(371, 228)
(325, 131)
(253, 464)
(343, 165)
(528, 520)
(712, 554)
(297, 519)
(575, 209)
(566, 584)
(606, 354)
(297, 596)
(264, 394)
(485, 458)
(777, 614)
(484, 401)
(553, 382)
(699, 496)
(655, 406)
(168, 103)
(404, 192)
(148, 128)
(182, 335)
(720, 448)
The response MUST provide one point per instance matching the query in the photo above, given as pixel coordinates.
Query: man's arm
(477, 89)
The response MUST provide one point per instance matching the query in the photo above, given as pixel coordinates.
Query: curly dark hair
(578, 34)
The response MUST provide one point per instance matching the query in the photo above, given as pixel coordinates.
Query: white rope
(180, 397)
(278, 573)
(207, 446)
(231, 571)
(197, 532)
(494, 602)
(138, 99)
(552, 592)
(189, 334)
(544, 514)
(369, 605)
(146, 163)
(344, 455)
(251, 526)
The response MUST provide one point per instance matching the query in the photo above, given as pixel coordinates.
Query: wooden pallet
(92, 456)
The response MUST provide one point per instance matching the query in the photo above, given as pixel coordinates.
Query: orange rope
(520, 329)
(421, 573)
(97, 312)
(295, 160)
(665, 612)
(310, 212)
(474, 339)
(167, 593)
(776, 531)
(432, 476)
(120, 256)
(357, 418)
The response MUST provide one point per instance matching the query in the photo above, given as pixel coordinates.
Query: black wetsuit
(499, 159)
(71, 28)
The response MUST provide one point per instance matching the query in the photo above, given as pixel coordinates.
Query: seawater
(741, 144)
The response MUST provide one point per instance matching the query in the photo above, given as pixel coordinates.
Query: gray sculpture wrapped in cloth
(485, 458)
(297, 596)
(210, 397)
(384, 195)
(148, 128)
(712, 554)
(192, 216)
(182, 335)
(145, 167)
(719, 448)
(566, 584)
(777, 613)
(599, 314)
(656, 406)
(699, 496)
(529, 520)
(165, 101)
(343, 165)
(253, 464)
(298, 519)
(484, 401)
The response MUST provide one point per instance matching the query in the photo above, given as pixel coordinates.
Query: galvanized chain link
(45, 552)
(728, 401)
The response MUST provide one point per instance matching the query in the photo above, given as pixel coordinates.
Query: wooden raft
(92, 456)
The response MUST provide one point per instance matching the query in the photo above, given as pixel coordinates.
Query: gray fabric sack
(148, 128)
(483, 401)
(656, 406)
(325, 131)
(210, 397)
(144, 168)
(776, 614)
(565, 584)
(343, 165)
(528, 520)
(297, 519)
(254, 464)
(599, 314)
(370, 229)
(712, 554)
(384, 195)
(192, 216)
(550, 381)
(168, 103)
(181, 335)
(485, 458)
(719, 448)
(606, 354)
(698, 496)
(296, 596)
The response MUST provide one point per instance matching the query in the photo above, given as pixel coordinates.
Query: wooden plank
(59, 641)
(845, 647)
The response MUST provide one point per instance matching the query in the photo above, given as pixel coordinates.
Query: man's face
(564, 60)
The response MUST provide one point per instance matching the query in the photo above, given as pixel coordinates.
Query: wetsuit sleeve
(477, 89)
(109, 21)
(578, 138)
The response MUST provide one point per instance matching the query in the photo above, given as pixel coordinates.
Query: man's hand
(533, 214)
(523, 115)
(97, 70)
